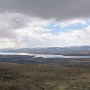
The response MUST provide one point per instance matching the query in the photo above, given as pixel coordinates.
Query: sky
(44, 23)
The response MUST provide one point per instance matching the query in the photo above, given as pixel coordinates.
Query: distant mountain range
(73, 50)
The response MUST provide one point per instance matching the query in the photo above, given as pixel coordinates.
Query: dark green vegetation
(24, 59)
(43, 77)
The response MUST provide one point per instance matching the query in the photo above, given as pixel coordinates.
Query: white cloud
(18, 30)
(66, 23)
(77, 37)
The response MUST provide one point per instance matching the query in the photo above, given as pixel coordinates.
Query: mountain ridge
(51, 50)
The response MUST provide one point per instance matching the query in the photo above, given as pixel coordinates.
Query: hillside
(73, 50)
(43, 77)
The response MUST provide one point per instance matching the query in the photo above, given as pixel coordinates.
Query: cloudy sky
(44, 23)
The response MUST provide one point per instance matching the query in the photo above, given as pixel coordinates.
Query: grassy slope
(43, 77)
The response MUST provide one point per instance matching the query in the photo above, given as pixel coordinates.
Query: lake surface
(45, 55)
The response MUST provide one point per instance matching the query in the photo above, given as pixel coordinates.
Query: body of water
(45, 55)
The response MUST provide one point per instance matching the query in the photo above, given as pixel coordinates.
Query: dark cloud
(59, 9)
(10, 22)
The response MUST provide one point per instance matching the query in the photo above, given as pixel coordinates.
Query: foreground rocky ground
(43, 77)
